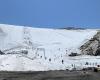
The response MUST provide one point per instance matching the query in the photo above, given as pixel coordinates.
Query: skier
(62, 61)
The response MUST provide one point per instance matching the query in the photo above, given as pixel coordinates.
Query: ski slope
(46, 48)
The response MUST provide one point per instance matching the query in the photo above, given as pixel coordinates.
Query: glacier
(46, 49)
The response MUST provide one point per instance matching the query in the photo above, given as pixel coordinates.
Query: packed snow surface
(47, 49)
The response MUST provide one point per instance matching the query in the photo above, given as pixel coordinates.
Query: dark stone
(97, 52)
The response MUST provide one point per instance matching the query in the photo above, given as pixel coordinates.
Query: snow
(46, 48)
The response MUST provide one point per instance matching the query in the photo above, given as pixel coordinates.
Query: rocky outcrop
(92, 47)
(72, 28)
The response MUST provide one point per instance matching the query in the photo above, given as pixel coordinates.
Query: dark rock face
(73, 28)
(92, 47)
(97, 52)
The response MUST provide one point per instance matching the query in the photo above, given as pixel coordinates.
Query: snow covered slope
(40, 49)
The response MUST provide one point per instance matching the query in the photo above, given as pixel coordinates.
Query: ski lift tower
(27, 37)
(28, 41)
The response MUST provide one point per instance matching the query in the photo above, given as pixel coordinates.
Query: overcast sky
(51, 13)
